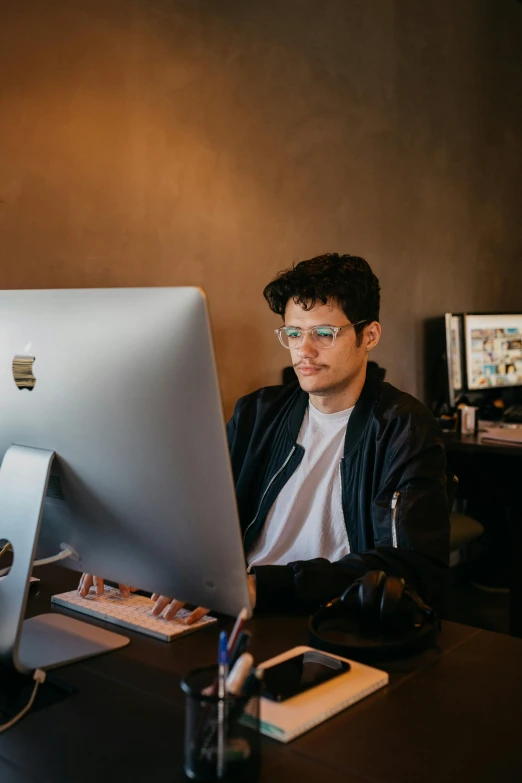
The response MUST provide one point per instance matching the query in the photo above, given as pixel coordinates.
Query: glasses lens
(323, 336)
(291, 337)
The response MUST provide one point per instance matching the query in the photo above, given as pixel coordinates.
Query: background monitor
(473, 356)
(453, 325)
(122, 385)
(443, 362)
(493, 351)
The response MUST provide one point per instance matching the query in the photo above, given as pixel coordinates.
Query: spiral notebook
(284, 721)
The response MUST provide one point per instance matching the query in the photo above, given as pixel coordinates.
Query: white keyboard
(134, 613)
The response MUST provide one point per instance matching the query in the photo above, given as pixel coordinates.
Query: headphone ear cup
(350, 597)
(392, 596)
(370, 591)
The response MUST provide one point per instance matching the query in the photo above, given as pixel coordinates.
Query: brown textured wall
(165, 142)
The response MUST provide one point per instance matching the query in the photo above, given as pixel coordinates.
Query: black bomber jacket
(392, 445)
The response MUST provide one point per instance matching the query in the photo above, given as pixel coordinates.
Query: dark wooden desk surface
(476, 444)
(451, 714)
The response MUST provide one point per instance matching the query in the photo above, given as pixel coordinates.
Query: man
(339, 473)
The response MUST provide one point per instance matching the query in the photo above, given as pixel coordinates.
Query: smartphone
(299, 673)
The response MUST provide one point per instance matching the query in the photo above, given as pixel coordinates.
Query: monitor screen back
(122, 385)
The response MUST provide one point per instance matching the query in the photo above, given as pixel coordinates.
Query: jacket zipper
(283, 466)
(342, 507)
(394, 505)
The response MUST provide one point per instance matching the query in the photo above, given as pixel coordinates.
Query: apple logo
(23, 370)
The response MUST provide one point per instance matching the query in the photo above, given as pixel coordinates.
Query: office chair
(463, 528)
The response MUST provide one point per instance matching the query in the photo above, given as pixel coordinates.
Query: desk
(493, 471)
(452, 714)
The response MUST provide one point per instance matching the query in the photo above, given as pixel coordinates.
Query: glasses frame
(335, 329)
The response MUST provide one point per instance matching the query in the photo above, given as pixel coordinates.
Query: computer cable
(65, 553)
(39, 677)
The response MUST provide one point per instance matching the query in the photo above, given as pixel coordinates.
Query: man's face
(326, 371)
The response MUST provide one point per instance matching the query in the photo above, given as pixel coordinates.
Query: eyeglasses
(322, 336)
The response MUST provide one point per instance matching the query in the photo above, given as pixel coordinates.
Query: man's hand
(90, 580)
(164, 607)
(168, 608)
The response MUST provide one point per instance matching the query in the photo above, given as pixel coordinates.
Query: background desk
(452, 714)
(493, 471)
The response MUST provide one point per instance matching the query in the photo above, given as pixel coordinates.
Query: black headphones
(377, 618)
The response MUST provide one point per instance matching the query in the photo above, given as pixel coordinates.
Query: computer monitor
(121, 385)
(473, 356)
(493, 351)
(443, 367)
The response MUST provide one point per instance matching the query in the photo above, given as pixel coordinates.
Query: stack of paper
(512, 436)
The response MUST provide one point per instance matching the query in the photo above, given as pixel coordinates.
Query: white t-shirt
(306, 519)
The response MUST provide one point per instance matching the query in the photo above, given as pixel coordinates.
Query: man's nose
(307, 347)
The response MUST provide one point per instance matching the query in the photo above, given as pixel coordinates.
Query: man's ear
(372, 335)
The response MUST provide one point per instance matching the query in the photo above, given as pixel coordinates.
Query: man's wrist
(274, 588)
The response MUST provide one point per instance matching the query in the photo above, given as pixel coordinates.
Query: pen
(253, 682)
(236, 630)
(232, 646)
(222, 680)
(239, 673)
(240, 647)
(250, 687)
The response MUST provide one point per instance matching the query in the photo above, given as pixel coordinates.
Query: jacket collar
(297, 412)
(358, 421)
(362, 413)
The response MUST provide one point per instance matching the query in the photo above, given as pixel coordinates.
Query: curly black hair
(347, 280)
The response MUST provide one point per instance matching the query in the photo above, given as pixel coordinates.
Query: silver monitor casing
(127, 398)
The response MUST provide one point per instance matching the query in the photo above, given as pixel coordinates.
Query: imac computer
(113, 446)
(477, 356)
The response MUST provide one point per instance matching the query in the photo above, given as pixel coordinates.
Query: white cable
(54, 558)
(69, 552)
(39, 677)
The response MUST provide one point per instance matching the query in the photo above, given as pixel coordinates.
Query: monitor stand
(48, 640)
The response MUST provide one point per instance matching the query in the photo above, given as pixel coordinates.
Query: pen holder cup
(222, 740)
